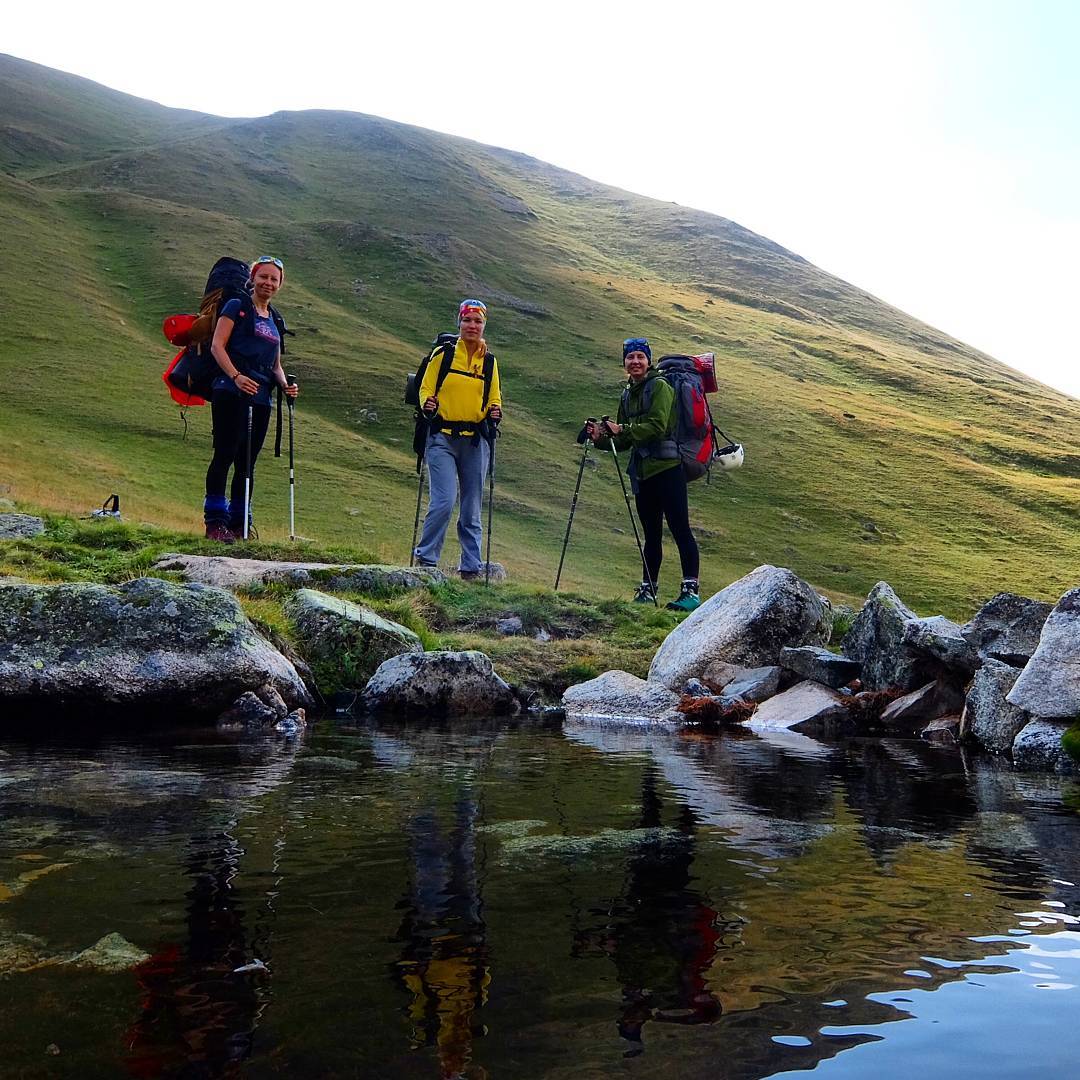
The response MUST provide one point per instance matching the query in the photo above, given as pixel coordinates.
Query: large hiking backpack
(190, 376)
(443, 347)
(691, 378)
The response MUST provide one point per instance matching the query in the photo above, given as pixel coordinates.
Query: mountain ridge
(853, 412)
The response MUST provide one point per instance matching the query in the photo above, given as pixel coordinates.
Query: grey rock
(292, 724)
(748, 623)
(938, 698)
(497, 572)
(808, 707)
(945, 729)
(346, 639)
(248, 711)
(940, 639)
(876, 640)
(541, 635)
(618, 695)
(1049, 686)
(988, 716)
(719, 673)
(820, 665)
(439, 684)
(20, 526)
(1007, 628)
(753, 685)
(696, 688)
(1038, 746)
(510, 626)
(227, 573)
(88, 648)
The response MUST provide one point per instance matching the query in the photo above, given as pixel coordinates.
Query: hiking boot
(688, 598)
(470, 575)
(216, 530)
(645, 594)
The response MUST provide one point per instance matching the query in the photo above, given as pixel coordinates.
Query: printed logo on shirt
(265, 328)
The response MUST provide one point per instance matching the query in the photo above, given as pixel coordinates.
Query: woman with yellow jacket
(460, 404)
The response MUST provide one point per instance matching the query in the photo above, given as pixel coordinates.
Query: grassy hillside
(877, 447)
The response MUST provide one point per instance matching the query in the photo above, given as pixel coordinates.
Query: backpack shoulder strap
(448, 348)
(282, 329)
(489, 374)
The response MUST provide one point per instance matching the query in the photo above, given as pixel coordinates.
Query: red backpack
(692, 377)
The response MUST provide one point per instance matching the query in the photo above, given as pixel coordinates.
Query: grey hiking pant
(452, 463)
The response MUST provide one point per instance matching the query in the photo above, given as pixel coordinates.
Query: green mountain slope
(877, 446)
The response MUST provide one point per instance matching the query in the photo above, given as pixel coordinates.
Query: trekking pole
(416, 520)
(491, 500)
(419, 491)
(629, 510)
(247, 476)
(290, 380)
(582, 438)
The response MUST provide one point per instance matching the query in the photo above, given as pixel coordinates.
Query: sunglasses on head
(264, 259)
(635, 344)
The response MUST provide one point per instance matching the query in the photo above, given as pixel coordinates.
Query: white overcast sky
(926, 151)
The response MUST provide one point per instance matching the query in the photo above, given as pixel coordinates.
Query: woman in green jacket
(646, 427)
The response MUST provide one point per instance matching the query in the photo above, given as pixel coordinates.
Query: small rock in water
(52, 1050)
(293, 724)
(247, 711)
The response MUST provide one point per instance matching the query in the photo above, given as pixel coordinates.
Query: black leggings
(230, 412)
(664, 496)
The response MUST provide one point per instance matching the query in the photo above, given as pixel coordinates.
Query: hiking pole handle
(583, 434)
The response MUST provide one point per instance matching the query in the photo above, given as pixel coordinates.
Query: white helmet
(730, 456)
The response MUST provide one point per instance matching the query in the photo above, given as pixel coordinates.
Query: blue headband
(636, 344)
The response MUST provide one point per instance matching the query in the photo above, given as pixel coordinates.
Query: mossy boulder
(148, 647)
(439, 684)
(877, 640)
(344, 642)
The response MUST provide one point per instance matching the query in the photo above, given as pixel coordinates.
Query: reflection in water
(197, 1017)
(659, 932)
(443, 963)
(491, 901)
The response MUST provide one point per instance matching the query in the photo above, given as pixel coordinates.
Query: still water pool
(507, 901)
